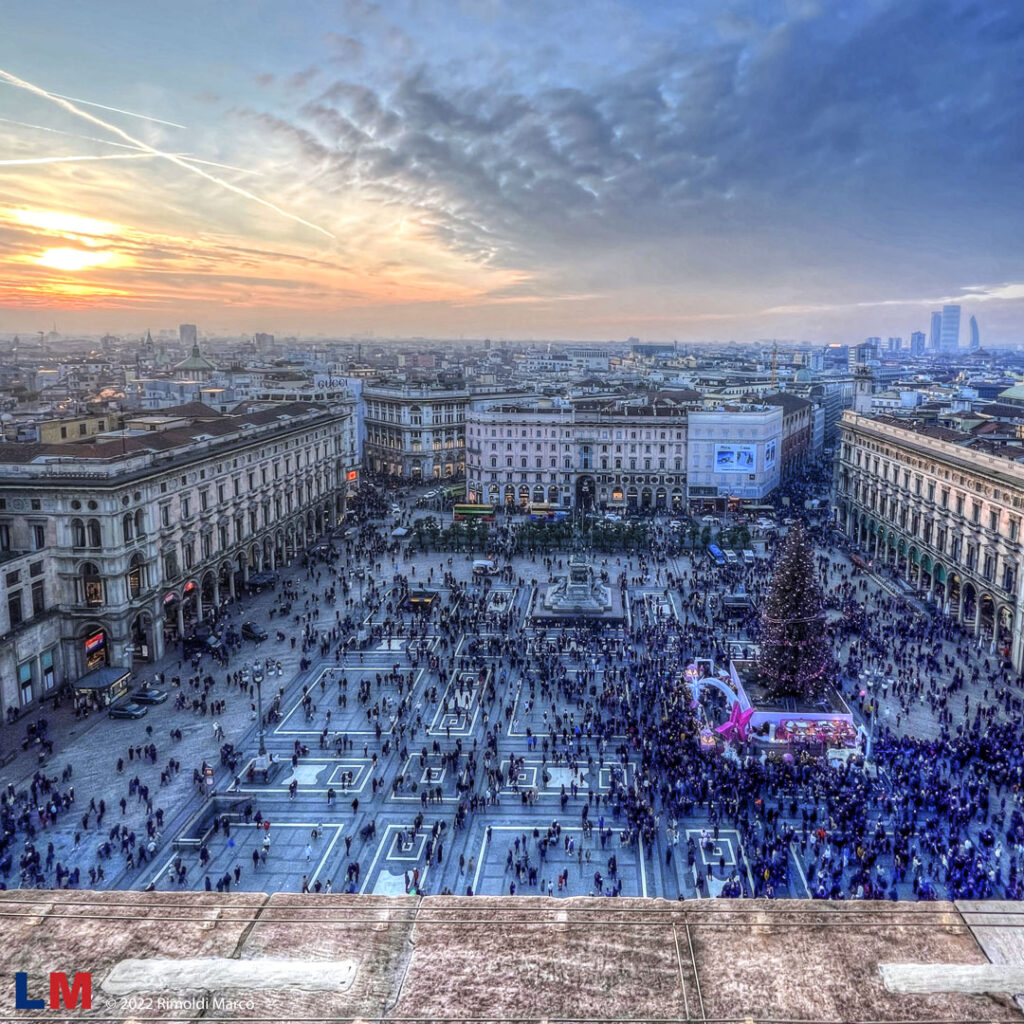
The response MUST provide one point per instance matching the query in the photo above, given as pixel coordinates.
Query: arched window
(93, 533)
(77, 533)
(140, 523)
(136, 576)
(128, 528)
(92, 585)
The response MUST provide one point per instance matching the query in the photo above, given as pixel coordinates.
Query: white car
(397, 510)
(611, 517)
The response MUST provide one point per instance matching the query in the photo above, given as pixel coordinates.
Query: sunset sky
(707, 169)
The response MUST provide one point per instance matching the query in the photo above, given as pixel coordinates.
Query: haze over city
(707, 171)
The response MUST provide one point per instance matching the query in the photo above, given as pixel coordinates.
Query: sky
(699, 170)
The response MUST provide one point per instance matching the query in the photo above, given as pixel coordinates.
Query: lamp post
(870, 680)
(258, 679)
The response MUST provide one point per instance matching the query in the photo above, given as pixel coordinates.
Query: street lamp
(258, 679)
(870, 680)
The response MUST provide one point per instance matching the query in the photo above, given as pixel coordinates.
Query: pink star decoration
(736, 727)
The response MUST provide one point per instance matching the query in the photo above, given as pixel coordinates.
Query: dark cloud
(805, 132)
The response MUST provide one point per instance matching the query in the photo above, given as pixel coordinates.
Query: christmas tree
(796, 651)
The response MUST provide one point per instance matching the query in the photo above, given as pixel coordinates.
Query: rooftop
(528, 959)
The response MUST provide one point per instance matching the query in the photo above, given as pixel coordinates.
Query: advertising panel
(769, 455)
(735, 458)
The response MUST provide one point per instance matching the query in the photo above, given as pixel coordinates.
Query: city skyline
(733, 172)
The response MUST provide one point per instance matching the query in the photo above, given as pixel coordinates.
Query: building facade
(733, 454)
(946, 517)
(619, 454)
(142, 535)
(418, 431)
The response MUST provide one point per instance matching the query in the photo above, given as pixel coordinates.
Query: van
(731, 558)
(748, 557)
(484, 567)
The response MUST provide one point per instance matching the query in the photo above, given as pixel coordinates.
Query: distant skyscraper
(975, 343)
(895, 344)
(187, 335)
(936, 331)
(917, 340)
(949, 339)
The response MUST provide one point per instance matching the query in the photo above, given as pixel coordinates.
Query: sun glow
(64, 223)
(77, 259)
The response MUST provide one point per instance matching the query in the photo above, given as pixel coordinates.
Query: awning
(262, 579)
(103, 678)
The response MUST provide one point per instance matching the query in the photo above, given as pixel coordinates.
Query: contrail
(27, 161)
(120, 133)
(60, 131)
(116, 110)
(73, 159)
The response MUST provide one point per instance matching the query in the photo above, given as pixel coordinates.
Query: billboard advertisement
(769, 455)
(735, 458)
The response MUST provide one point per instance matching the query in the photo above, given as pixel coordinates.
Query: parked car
(252, 631)
(149, 695)
(397, 510)
(127, 710)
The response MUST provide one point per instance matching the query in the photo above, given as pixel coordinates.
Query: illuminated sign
(735, 458)
(353, 474)
(95, 642)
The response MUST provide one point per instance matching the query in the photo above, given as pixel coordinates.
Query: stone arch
(986, 618)
(93, 646)
(137, 581)
(142, 637)
(969, 608)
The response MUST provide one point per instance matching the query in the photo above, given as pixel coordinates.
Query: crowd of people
(934, 813)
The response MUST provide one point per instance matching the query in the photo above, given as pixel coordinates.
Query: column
(181, 620)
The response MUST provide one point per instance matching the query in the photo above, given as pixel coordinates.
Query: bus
(469, 513)
(456, 492)
(541, 512)
(716, 553)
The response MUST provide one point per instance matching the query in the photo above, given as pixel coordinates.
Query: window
(14, 608)
(77, 533)
(1009, 578)
(46, 665)
(38, 536)
(81, 429)
(92, 585)
(165, 515)
(186, 507)
(93, 532)
(38, 598)
(993, 520)
(1014, 529)
(25, 683)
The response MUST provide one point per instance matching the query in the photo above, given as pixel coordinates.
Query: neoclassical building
(617, 453)
(945, 511)
(418, 431)
(143, 531)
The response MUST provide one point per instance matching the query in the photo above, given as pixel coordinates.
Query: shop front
(101, 687)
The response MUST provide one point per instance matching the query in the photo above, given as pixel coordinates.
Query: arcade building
(116, 546)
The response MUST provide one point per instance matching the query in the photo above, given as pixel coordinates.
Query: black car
(127, 710)
(149, 695)
(250, 631)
